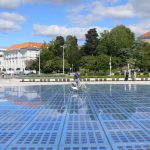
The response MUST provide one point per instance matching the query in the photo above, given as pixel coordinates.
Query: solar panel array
(102, 117)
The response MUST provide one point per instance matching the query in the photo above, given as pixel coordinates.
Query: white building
(2, 59)
(145, 37)
(16, 56)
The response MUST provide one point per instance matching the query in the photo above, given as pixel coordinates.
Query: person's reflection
(127, 87)
(110, 89)
(78, 103)
(64, 102)
(135, 87)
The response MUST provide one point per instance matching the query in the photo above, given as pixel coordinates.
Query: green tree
(72, 53)
(120, 37)
(104, 43)
(102, 63)
(57, 49)
(91, 42)
(55, 64)
(141, 52)
(88, 63)
(31, 65)
(46, 53)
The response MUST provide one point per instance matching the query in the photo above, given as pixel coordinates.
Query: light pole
(63, 57)
(11, 65)
(39, 63)
(72, 68)
(110, 66)
(129, 70)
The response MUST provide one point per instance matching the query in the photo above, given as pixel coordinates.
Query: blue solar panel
(53, 117)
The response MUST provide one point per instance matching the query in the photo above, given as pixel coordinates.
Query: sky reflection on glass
(55, 117)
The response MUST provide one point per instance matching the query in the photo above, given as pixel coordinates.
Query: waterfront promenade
(18, 82)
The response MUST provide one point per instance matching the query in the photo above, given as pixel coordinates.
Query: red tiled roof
(147, 34)
(32, 104)
(25, 45)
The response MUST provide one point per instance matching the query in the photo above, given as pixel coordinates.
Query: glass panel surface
(54, 117)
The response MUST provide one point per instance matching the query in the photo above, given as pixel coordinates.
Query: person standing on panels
(77, 79)
(127, 75)
(134, 75)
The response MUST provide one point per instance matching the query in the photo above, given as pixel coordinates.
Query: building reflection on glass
(60, 100)
(23, 96)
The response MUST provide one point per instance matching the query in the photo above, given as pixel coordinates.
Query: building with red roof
(28, 45)
(15, 56)
(145, 37)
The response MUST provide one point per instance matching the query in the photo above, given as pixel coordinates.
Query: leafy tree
(104, 43)
(57, 49)
(145, 59)
(119, 43)
(91, 42)
(72, 53)
(55, 64)
(141, 52)
(117, 63)
(131, 61)
(31, 65)
(46, 53)
(120, 37)
(88, 62)
(124, 55)
(102, 63)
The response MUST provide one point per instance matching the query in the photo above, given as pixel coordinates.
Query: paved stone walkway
(17, 82)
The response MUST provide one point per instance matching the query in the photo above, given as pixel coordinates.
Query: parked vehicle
(27, 72)
(17, 72)
(9, 72)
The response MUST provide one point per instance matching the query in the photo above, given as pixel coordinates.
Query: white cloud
(12, 17)
(141, 8)
(10, 22)
(140, 28)
(96, 11)
(8, 26)
(9, 4)
(51, 1)
(54, 30)
(13, 4)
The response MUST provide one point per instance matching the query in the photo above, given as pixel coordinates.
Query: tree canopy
(93, 56)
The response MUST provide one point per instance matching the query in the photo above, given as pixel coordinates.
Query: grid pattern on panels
(102, 117)
(123, 111)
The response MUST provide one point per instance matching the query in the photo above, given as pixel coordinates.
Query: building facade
(2, 50)
(145, 37)
(16, 56)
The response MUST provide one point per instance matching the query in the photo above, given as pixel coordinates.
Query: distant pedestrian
(134, 75)
(127, 76)
(2, 75)
(77, 78)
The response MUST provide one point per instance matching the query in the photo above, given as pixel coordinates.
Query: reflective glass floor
(100, 117)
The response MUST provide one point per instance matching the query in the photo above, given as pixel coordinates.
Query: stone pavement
(17, 82)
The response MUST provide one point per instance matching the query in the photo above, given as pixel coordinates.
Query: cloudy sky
(43, 20)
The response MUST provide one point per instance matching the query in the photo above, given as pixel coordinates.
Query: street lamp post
(63, 58)
(39, 63)
(110, 66)
(129, 70)
(72, 68)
